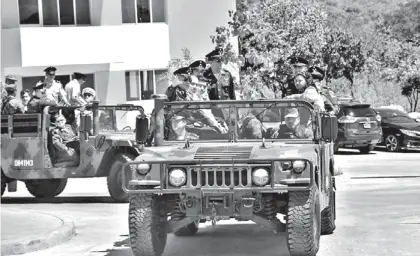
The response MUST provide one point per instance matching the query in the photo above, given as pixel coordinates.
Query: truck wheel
(147, 225)
(367, 149)
(189, 230)
(46, 188)
(328, 214)
(114, 179)
(303, 222)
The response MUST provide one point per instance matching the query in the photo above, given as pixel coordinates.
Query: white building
(121, 48)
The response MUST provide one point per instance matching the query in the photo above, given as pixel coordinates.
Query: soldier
(307, 91)
(252, 127)
(73, 90)
(292, 129)
(37, 103)
(10, 105)
(221, 86)
(66, 144)
(179, 91)
(54, 89)
(197, 68)
(299, 65)
(25, 96)
(327, 94)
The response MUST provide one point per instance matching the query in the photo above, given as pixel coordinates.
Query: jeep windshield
(118, 118)
(239, 120)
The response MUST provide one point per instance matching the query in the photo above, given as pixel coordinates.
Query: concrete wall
(191, 22)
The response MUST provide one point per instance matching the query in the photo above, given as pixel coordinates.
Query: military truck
(192, 173)
(28, 155)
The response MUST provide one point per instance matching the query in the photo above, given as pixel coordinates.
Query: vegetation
(370, 49)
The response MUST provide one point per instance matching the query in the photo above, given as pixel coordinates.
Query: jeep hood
(118, 138)
(251, 151)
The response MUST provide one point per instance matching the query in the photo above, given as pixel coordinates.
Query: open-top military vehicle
(193, 173)
(106, 143)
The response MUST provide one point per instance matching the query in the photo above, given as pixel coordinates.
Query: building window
(139, 85)
(136, 11)
(29, 12)
(54, 12)
(30, 81)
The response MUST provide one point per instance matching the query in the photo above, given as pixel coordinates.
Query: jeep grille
(205, 153)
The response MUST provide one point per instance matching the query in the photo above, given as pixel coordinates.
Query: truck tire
(46, 188)
(328, 214)
(114, 179)
(303, 222)
(147, 224)
(189, 230)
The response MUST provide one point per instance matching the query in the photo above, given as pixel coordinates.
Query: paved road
(378, 214)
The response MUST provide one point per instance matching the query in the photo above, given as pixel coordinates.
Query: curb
(56, 237)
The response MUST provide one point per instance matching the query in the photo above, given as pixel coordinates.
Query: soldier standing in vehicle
(66, 144)
(10, 105)
(299, 65)
(73, 90)
(197, 68)
(327, 94)
(39, 101)
(221, 86)
(54, 89)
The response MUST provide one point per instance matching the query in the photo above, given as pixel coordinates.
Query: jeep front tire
(147, 225)
(114, 179)
(303, 222)
(46, 188)
(328, 214)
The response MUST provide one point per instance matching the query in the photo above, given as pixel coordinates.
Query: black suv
(359, 126)
(400, 131)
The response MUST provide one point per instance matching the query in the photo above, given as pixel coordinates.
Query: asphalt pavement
(378, 214)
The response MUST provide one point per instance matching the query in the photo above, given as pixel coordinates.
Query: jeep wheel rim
(391, 143)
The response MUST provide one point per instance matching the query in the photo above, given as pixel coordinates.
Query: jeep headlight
(143, 169)
(260, 176)
(177, 177)
(299, 166)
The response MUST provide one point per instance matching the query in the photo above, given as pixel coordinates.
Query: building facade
(122, 45)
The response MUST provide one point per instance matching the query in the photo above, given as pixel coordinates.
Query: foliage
(411, 90)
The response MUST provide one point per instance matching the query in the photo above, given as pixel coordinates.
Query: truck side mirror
(142, 129)
(329, 127)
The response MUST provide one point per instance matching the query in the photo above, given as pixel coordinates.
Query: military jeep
(181, 180)
(106, 143)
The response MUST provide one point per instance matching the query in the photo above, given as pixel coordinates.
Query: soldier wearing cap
(221, 86)
(10, 105)
(54, 89)
(39, 101)
(73, 89)
(327, 94)
(178, 91)
(198, 67)
(299, 65)
(292, 129)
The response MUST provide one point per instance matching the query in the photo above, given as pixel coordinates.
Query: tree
(411, 90)
(343, 54)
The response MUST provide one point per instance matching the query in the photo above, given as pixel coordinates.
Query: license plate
(367, 125)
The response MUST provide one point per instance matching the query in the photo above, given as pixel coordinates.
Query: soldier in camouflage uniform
(252, 127)
(65, 143)
(10, 105)
(39, 101)
(292, 129)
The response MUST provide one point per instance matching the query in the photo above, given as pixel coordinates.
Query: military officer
(221, 86)
(327, 94)
(197, 68)
(10, 105)
(54, 89)
(37, 103)
(179, 90)
(73, 89)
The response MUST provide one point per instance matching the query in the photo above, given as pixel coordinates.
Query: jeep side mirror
(329, 127)
(142, 129)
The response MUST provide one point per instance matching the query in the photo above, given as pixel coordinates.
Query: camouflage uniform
(66, 144)
(252, 128)
(11, 106)
(299, 132)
